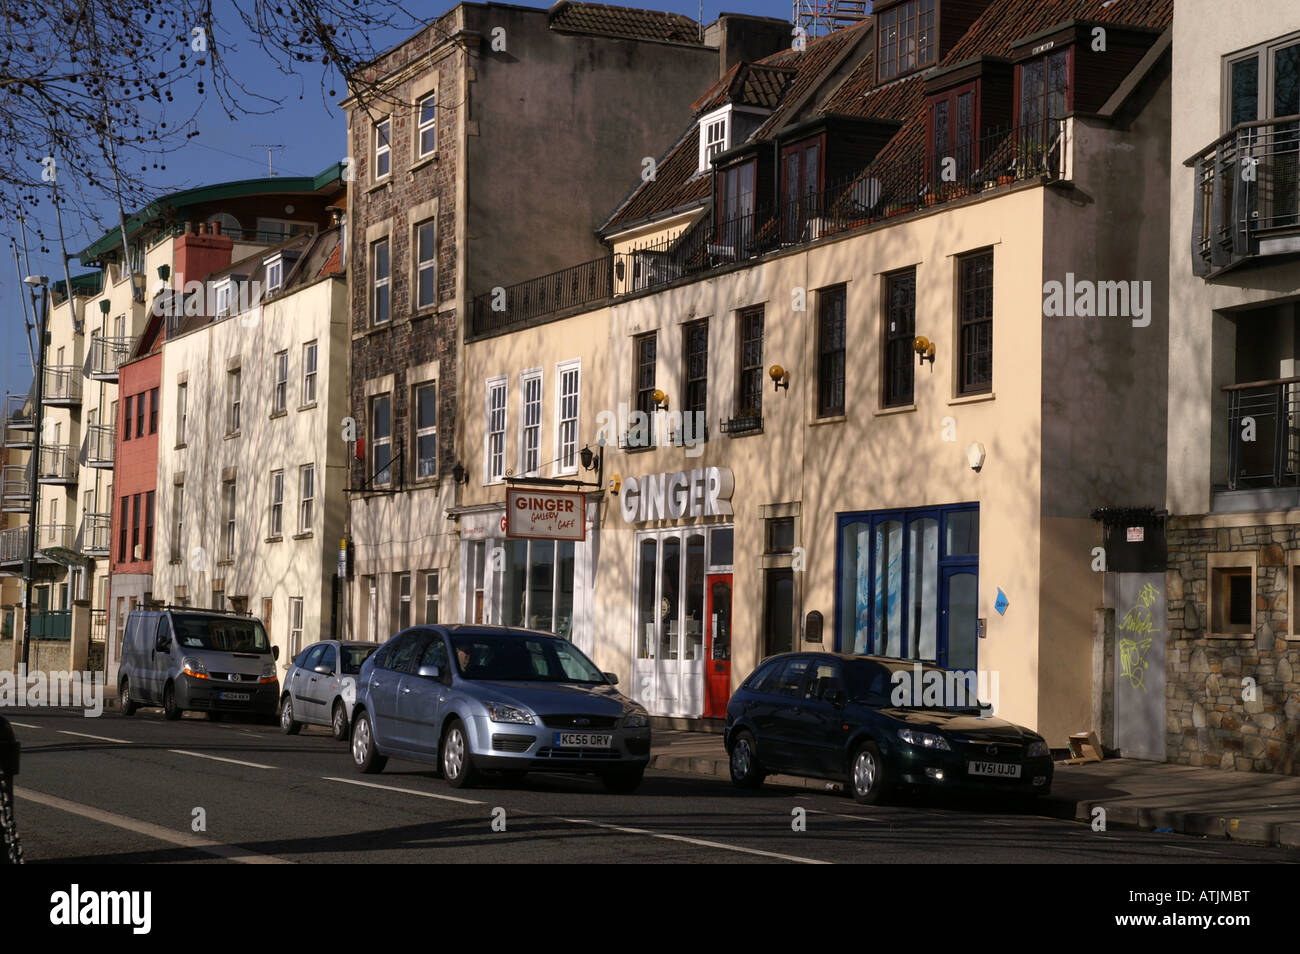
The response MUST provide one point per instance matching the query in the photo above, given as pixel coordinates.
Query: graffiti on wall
(1135, 640)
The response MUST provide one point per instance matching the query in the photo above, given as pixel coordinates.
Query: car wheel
(365, 755)
(124, 699)
(340, 721)
(867, 779)
(457, 762)
(746, 770)
(623, 781)
(170, 710)
(288, 724)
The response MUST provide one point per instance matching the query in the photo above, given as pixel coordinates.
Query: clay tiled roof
(624, 21)
(675, 184)
(747, 84)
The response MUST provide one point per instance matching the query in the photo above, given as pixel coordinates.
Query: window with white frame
(228, 519)
(277, 503)
(381, 439)
(403, 607)
(224, 298)
(530, 435)
(383, 149)
(427, 129)
(426, 430)
(306, 496)
(233, 382)
(309, 373)
(430, 597)
(274, 274)
(380, 281)
(566, 417)
(295, 625)
(281, 393)
(426, 273)
(495, 442)
(715, 129)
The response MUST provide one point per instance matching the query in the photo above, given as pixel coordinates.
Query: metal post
(32, 507)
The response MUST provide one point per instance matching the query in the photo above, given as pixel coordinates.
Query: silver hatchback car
(469, 698)
(320, 687)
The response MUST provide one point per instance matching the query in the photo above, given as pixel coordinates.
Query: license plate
(234, 696)
(995, 769)
(583, 740)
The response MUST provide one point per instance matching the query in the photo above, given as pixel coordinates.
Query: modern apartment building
(501, 137)
(1232, 647)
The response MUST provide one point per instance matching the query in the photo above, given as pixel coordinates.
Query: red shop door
(717, 678)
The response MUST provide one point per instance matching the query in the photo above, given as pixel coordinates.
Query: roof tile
(625, 22)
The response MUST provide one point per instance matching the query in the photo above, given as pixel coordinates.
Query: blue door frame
(948, 564)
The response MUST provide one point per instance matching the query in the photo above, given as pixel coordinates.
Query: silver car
(474, 698)
(320, 687)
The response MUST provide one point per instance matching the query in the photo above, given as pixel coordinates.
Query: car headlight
(193, 666)
(924, 740)
(636, 720)
(503, 713)
(1038, 750)
(268, 672)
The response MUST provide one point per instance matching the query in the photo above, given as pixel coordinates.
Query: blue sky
(310, 131)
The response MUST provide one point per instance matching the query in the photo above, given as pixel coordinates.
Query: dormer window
(1043, 87)
(224, 296)
(274, 275)
(715, 135)
(906, 37)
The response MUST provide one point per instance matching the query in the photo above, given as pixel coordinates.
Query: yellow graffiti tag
(1133, 663)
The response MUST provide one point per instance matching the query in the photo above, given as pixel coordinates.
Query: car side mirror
(275, 652)
(611, 677)
(324, 670)
(837, 699)
(162, 644)
(429, 672)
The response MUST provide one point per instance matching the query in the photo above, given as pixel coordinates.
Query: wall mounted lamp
(780, 377)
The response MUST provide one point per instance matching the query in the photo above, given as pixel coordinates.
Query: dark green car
(877, 724)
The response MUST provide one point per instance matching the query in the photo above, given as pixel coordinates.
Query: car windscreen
(510, 657)
(221, 633)
(907, 685)
(354, 656)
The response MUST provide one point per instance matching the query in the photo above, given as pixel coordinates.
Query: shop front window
(537, 585)
(646, 603)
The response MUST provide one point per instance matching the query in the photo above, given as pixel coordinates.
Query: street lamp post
(41, 282)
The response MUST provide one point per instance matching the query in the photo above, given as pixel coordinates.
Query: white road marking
(23, 724)
(182, 838)
(404, 791)
(218, 758)
(101, 738)
(868, 818)
(691, 841)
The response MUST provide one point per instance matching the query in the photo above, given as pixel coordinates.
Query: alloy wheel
(864, 772)
(741, 758)
(453, 754)
(361, 741)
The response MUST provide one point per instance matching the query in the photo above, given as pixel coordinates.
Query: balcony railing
(98, 625)
(106, 356)
(58, 464)
(55, 535)
(13, 545)
(97, 449)
(1247, 200)
(1264, 433)
(20, 420)
(95, 534)
(62, 384)
(910, 182)
(16, 481)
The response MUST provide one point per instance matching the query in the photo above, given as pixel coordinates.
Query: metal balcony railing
(896, 186)
(20, 419)
(13, 545)
(62, 384)
(105, 357)
(1247, 196)
(58, 464)
(16, 481)
(55, 535)
(97, 449)
(1264, 433)
(95, 534)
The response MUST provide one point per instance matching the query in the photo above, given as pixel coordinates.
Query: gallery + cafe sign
(545, 514)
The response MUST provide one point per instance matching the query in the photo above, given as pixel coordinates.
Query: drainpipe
(37, 421)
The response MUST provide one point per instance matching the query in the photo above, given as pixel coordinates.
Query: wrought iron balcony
(95, 534)
(58, 465)
(106, 356)
(62, 385)
(1247, 203)
(898, 185)
(97, 449)
(13, 545)
(1264, 433)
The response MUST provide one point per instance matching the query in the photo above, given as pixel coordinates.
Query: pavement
(1250, 807)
